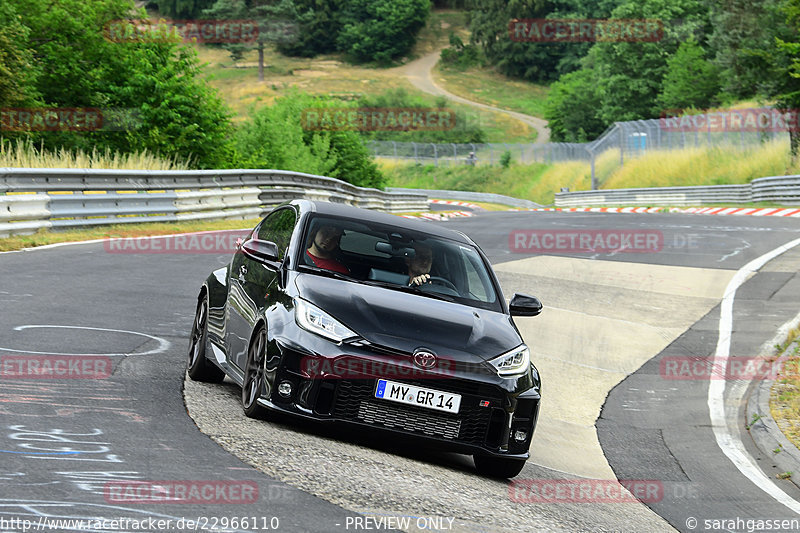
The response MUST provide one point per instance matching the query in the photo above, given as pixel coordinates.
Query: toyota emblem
(424, 359)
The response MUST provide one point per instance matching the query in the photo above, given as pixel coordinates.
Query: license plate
(419, 396)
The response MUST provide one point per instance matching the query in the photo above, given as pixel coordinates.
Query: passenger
(324, 249)
(419, 266)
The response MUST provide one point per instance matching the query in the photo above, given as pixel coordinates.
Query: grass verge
(328, 75)
(540, 181)
(45, 237)
(784, 401)
(238, 85)
(487, 86)
(21, 154)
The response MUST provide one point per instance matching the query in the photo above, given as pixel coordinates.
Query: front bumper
(493, 410)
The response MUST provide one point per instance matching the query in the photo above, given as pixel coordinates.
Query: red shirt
(328, 264)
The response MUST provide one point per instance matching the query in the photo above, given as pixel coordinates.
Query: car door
(253, 284)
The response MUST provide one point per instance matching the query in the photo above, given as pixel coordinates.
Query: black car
(343, 335)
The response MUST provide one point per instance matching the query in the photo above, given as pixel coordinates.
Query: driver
(419, 266)
(325, 247)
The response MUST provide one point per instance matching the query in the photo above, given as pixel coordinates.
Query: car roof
(370, 215)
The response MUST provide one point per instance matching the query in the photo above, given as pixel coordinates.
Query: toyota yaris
(350, 316)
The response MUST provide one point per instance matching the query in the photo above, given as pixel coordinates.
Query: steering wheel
(442, 281)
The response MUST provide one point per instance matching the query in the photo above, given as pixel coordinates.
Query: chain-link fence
(735, 129)
(476, 154)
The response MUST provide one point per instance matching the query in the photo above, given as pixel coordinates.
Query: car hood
(404, 322)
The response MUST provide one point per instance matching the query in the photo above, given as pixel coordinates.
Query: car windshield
(390, 257)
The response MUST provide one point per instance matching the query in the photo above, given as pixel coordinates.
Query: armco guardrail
(779, 189)
(23, 213)
(783, 190)
(62, 198)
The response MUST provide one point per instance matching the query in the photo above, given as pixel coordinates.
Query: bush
(318, 26)
(691, 80)
(505, 159)
(380, 30)
(460, 56)
(572, 108)
(274, 138)
(77, 67)
(465, 130)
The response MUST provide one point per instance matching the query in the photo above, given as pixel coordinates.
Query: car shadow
(386, 442)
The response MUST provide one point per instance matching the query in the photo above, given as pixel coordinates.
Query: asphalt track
(68, 443)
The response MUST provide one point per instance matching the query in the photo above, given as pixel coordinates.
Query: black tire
(497, 467)
(197, 366)
(253, 385)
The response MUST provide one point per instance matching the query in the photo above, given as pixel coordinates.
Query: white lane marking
(163, 344)
(731, 447)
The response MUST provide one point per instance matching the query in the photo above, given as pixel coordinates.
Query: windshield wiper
(413, 289)
(326, 272)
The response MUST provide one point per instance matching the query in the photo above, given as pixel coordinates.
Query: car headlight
(312, 318)
(512, 363)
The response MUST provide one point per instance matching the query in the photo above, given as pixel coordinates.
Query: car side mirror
(263, 251)
(524, 305)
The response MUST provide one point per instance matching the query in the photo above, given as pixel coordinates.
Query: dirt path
(418, 73)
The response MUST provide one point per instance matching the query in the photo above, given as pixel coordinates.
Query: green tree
(571, 108)
(17, 71)
(380, 30)
(742, 32)
(156, 81)
(274, 19)
(317, 28)
(534, 61)
(180, 115)
(691, 80)
(784, 74)
(182, 9)
(275, 138)
(630, 74)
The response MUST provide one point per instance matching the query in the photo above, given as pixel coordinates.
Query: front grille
(397, 417)
(355, 401)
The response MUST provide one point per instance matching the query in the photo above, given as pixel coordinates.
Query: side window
(278, 227)
(479, 285)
